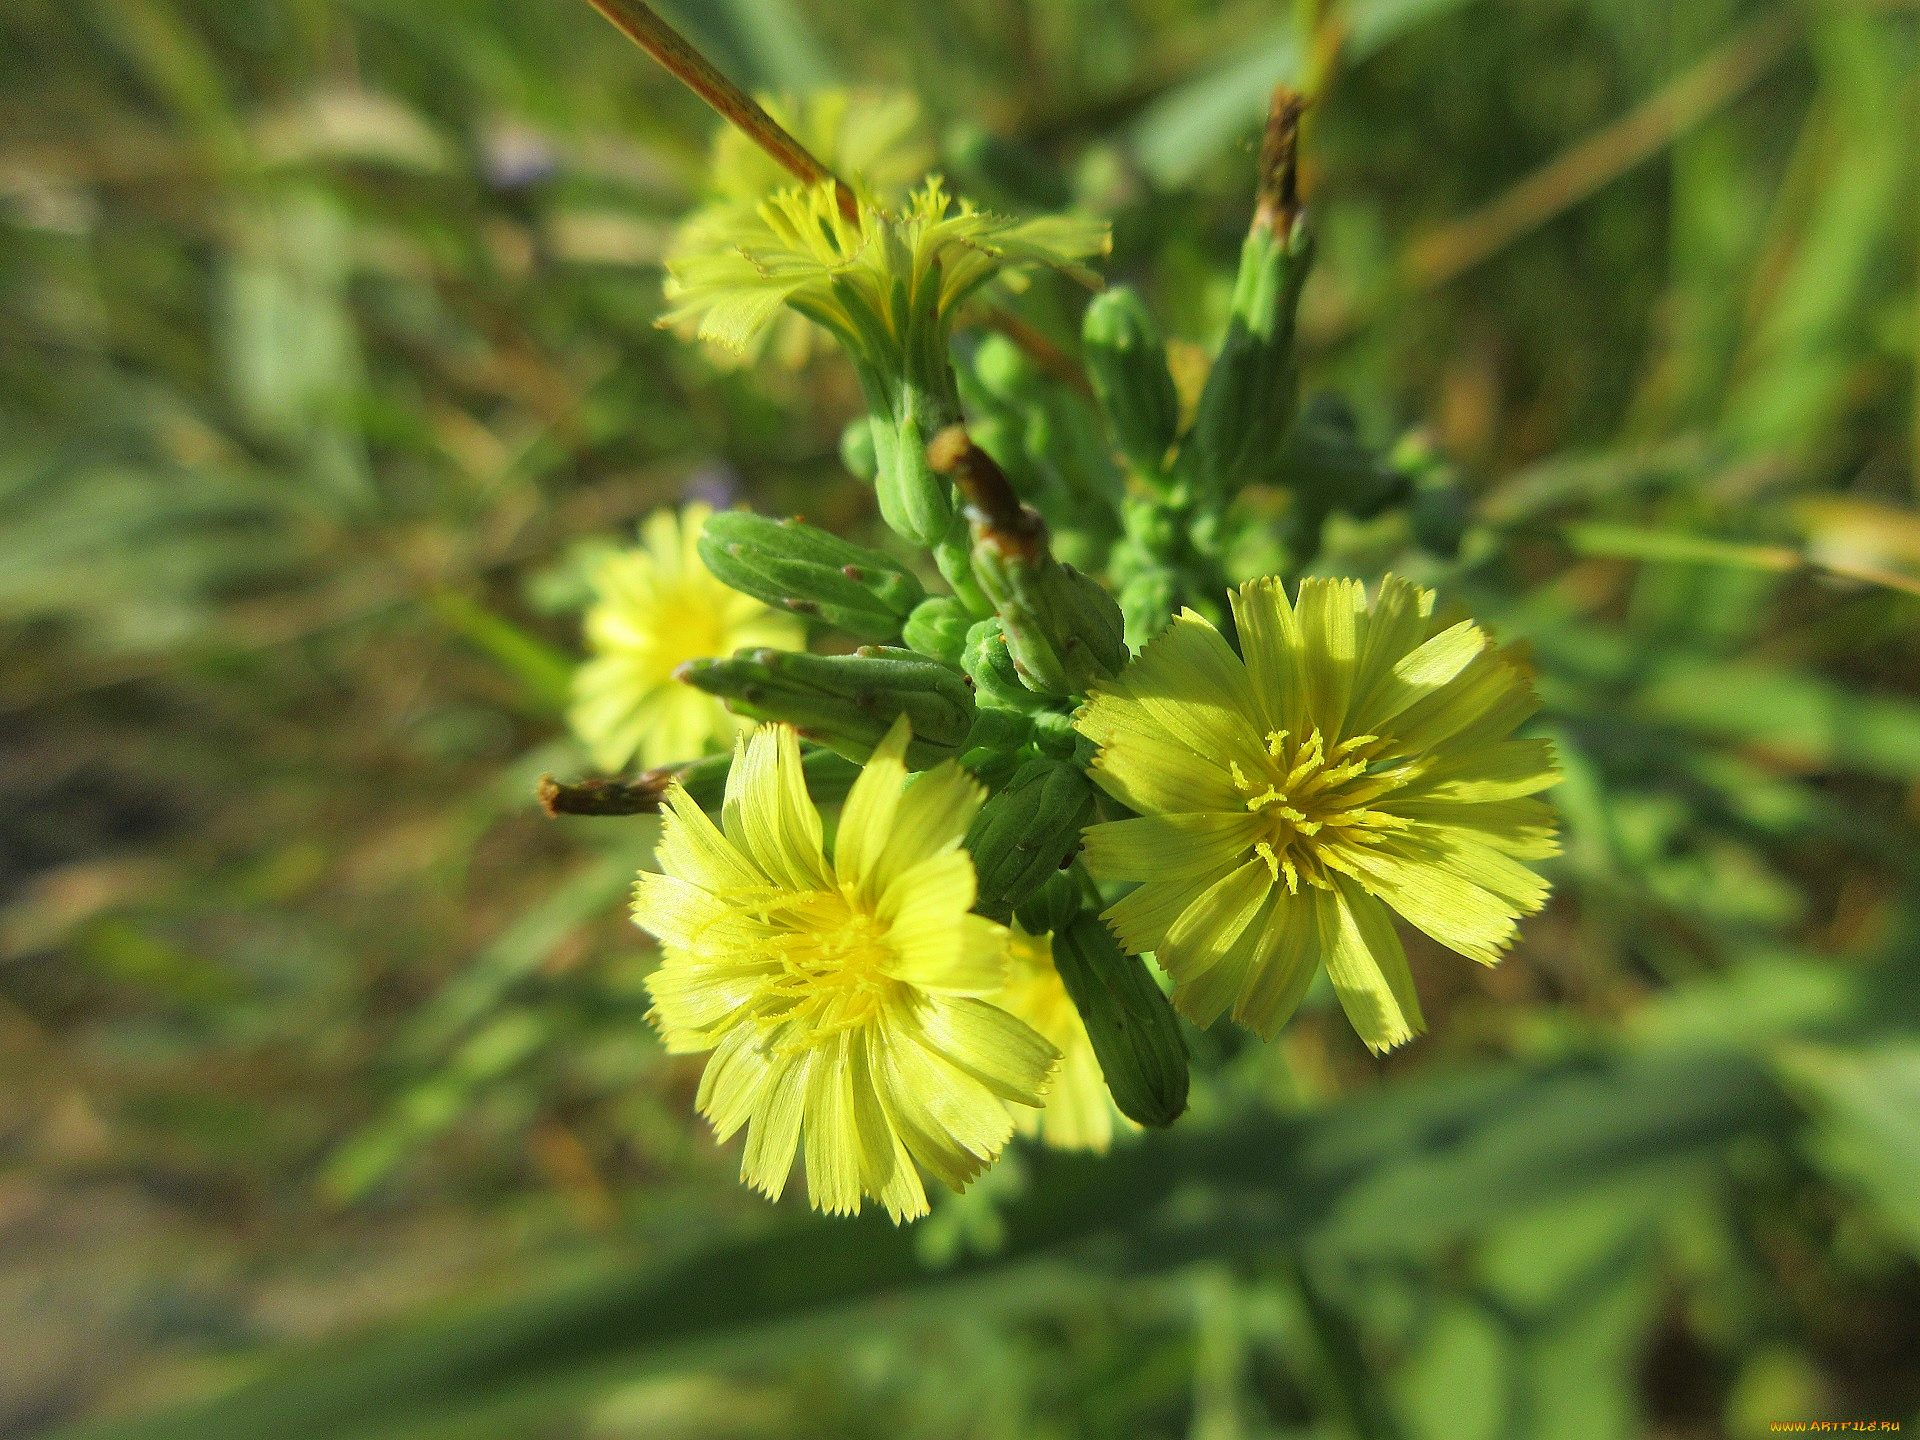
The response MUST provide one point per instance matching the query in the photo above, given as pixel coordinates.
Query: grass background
(327, 355)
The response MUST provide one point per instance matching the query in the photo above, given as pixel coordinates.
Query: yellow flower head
(1355, 760)
(859, 279)
(657, 606)
(1079, 1114)
(842, 998)
(875, 140)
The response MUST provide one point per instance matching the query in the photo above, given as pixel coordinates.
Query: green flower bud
(938, 628)
(1003, 171)
(1006, 372)
(846, 702)
(1133, 1028)
(915, 502)
(1062, 629)
(795, 566)
(856, 449)
(989, 664)
(1026, 832)
(1052, 907)
(993, 747)
(1127, 362)
(1328, 463)
(1248, 404)
(954, 557)
(1438, 511)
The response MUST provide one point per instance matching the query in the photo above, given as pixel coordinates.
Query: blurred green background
(327, 355)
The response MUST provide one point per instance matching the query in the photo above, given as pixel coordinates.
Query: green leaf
(544, 673)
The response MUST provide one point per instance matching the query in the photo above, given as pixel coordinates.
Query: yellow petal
(1169, 848)
(1367, 965)
(950, 1122)
(1484, 702)
(1504, 770)
(1394, 626)
(1270, 641)
(768, 814)
(733, 1082)
(886, 1169)
(1289, 958)
(1231, 971)
(832, 1137)
(932, 818)
(694, 996)
(1525, 829)
(692, 848)
(1193, 689)
(1417, 674)
(987, 1043)
(674, 912)
(1080, 1113)
(1329, 613)
(773, 1133)
(1143, 918)
(1146, 769)
(1209, 951)
(938, 945)
(867, 819)
(1463, 894)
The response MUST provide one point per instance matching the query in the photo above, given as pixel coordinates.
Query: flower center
(835, 961)
(1314, 802)
(686, 627)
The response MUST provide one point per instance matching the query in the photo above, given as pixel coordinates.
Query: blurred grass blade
(1604, 156)
(590, 893)
(1867, 1102)
(1799, 363)
(544, 673)
(1394, 1173)
(1194, 122)
(1628, 542)
(1800, 718)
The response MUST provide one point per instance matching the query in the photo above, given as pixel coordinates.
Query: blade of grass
(1395, 1172)
(1604, 156)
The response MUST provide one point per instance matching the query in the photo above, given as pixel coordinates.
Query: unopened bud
(1026, 832)
(914, 501)
(846, 702)
(938, 628)
(1135, 1033)
(1127, 362)
(1052, 907)
(798, 567)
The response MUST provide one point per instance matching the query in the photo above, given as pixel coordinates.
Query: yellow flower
(875, 140)
(658, 606)
(843, 998)
(797, 249)
(1079, 1114)
(1355, 760)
